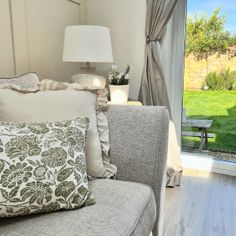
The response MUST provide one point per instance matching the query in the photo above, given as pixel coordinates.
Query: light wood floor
(205, 205)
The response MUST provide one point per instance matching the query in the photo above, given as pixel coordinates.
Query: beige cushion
(101, 106)
(58, 106)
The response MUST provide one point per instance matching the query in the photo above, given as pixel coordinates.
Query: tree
(207, 36)
(232, 40)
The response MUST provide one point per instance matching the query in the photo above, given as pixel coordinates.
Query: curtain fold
(153, 87)
(153, 90)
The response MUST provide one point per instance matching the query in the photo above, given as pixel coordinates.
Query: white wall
(7, 66)
(126, 20)
(32, 35)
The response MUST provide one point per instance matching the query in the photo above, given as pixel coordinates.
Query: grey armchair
(130, 205)
(139, 139)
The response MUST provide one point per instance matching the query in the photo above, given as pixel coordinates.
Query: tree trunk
(207, 64)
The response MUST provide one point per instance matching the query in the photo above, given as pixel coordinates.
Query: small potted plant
(119, 85)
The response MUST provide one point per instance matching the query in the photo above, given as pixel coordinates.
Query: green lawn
(219, 106)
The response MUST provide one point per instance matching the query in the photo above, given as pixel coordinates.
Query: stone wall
(196, 71)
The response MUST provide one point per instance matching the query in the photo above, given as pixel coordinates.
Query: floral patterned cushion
(43, 167)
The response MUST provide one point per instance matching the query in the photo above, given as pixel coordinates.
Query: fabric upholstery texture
(139, 139)
(26, 83)
(43, 167)
(58, 106)
(121, 209)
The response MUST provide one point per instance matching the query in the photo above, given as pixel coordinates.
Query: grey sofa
(130, 205)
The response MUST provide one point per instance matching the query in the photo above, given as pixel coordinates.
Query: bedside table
(129, 103)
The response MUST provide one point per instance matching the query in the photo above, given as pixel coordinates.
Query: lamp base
(91, 81)
(87, 69)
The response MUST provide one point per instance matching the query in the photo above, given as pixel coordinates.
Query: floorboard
(205, 205)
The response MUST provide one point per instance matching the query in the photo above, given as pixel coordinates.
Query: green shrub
(229, 78)
(223, 80)
(234, 86)
(214, 82)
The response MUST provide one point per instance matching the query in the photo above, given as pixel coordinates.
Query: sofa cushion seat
(122, 208)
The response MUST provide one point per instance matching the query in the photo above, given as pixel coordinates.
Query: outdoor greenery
(219, 106)
(206, 36)
(233, 40)
(223, 80)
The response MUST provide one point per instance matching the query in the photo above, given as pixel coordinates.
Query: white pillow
(59, 106)
(26, 83)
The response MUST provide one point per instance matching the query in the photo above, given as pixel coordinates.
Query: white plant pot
(119, 94)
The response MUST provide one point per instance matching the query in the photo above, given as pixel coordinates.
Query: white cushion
(26, 83)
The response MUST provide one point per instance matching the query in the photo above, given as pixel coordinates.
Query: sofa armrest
(138, 139)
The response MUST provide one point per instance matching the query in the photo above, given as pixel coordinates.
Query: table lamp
(88, 43)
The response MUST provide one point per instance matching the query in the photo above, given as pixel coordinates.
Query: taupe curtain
(153, 89)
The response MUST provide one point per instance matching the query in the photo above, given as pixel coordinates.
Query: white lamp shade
(87, 43)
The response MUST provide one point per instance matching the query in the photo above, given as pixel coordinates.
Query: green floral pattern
(1, 146)
(38, 128)
(16, 175)
(54, 157)
(43, 167)
(23, 146)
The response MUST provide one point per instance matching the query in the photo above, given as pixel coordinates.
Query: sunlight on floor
(191, 160)
(196, 173)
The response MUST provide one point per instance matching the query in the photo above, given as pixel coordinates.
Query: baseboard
(207, 163)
